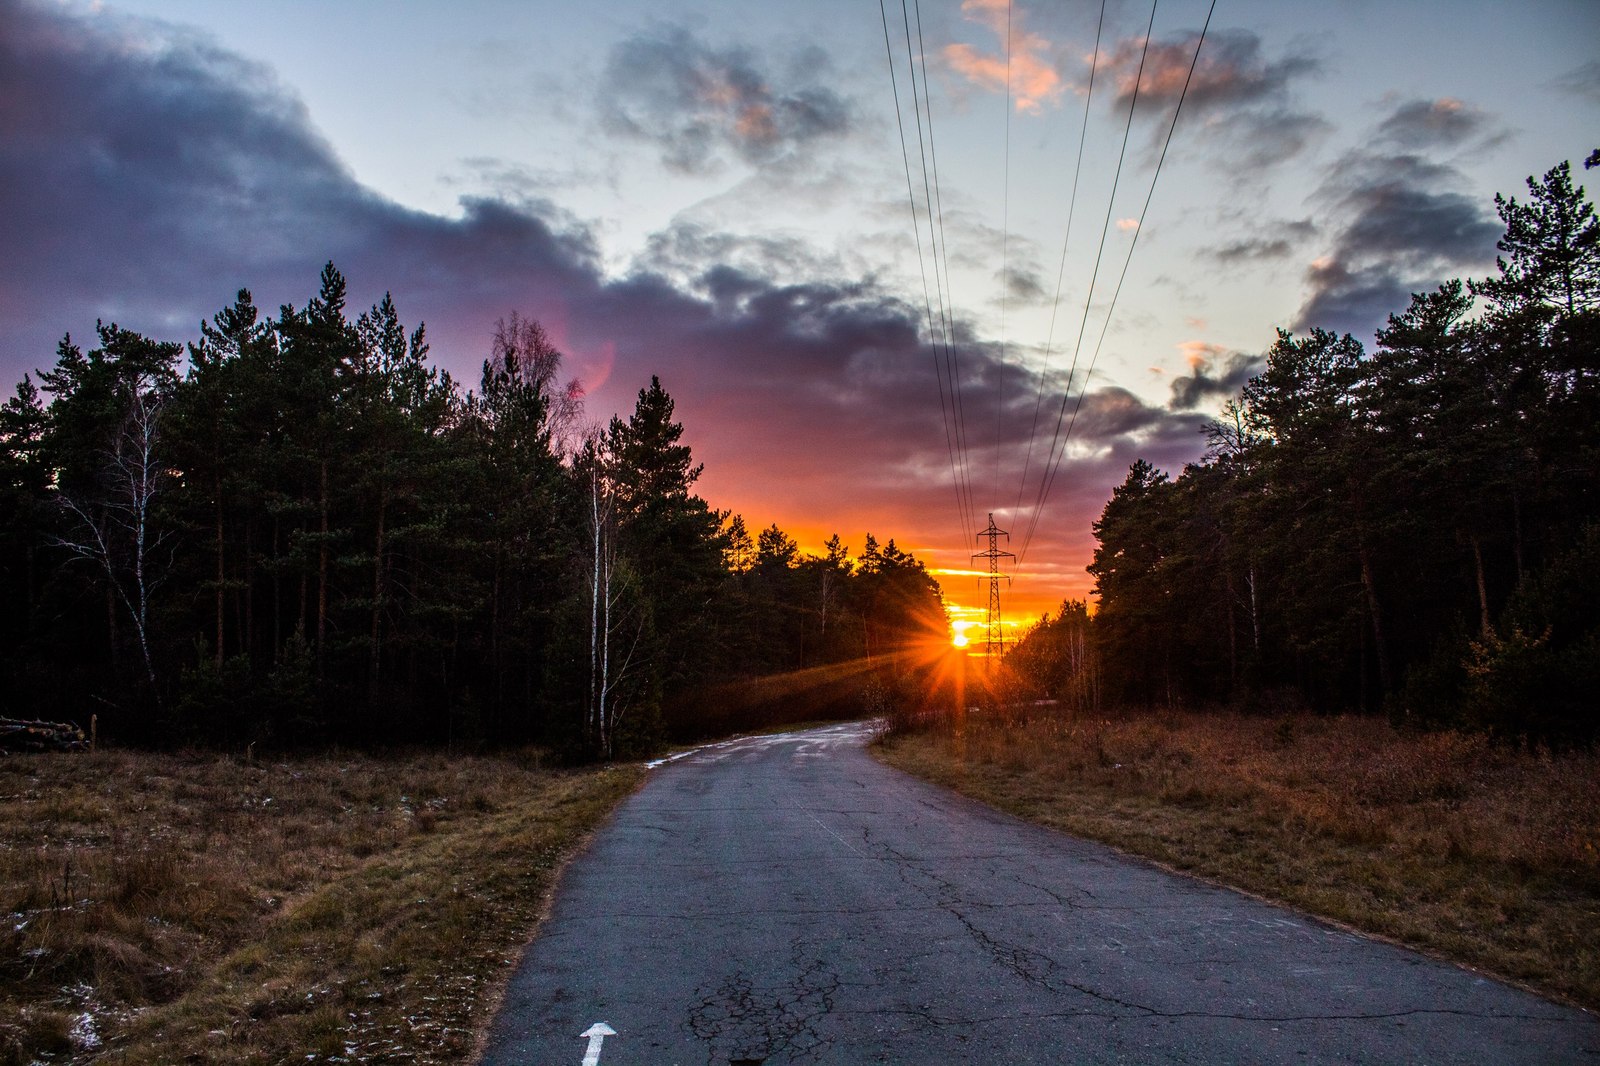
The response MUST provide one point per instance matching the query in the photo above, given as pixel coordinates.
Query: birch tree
(115, 528)
(616, 615)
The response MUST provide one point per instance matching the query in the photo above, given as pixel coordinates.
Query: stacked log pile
(17, 735)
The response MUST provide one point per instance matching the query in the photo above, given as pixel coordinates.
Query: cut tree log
(17, 735)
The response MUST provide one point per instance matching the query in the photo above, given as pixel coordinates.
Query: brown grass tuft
(196, 908)
(1484, 854)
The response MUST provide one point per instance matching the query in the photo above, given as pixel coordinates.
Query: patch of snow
(83, 1033)
(692, 751)
(809, 740)
(653, 763)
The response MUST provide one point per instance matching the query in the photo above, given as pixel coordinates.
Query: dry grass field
(1450, 843)
(198, 909)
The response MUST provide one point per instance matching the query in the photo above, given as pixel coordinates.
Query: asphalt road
(789, 900)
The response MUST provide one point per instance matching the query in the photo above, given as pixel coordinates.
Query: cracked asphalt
(789, 900)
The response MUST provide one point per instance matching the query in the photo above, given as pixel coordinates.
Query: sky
(726, 195)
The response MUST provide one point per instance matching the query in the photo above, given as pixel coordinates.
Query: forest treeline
(1413, 529)
(298, 530)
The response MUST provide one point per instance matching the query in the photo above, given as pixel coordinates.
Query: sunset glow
(762, 488)
(715, 194)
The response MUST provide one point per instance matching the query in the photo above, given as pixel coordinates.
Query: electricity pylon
(994, 555)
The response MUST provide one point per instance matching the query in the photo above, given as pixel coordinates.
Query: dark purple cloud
(1399, 225)
(1445, 123)
(1353, 300)
(700, 103)
(1204, 383)
(147, 175)
(1272, 241)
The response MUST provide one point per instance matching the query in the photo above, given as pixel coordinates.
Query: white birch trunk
(117, 532)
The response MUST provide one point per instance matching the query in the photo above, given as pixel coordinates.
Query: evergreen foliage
(1409, 529)
(313, 535)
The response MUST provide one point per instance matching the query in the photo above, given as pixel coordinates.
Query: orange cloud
(1198, 354)
(1166, 68)
(1033, 79)
(755, 123)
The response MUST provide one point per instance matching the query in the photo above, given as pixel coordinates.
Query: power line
(916, 226)
(1105, 325)
(941, 325)
(1088, 296)
(941, 263)
(1005, 271)
(1061, 270)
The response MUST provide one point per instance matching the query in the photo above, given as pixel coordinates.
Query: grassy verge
(199, 909)
(1477, 853)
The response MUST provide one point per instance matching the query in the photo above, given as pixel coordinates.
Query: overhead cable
(1088, 296)
(1061, 269)
(943, 289)
(1138, 229)
(933, 331)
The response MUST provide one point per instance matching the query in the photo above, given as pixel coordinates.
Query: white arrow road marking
(597, 1034)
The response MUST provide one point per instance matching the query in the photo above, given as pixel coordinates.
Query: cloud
(1245, 99)
(519, 183)
(1400, 227)
(699, 103)
(1203, 383)
(147, 174)
(1024, 284)
(1021, 279)
(686, 250)
(1445, 122)
(1110, 412)
(1253, 248)
(1230, 72)
(1271, 241)
(1415, 226)
(1027, 72)
(1582, 81)
(1353, 299)
(1271, 136)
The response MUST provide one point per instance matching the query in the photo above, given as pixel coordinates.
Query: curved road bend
(789, 900)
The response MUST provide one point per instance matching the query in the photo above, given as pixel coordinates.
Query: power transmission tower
(994, 555)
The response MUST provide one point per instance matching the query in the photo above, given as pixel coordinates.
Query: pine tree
(1551, 246)
(25, 520)
(670, 536)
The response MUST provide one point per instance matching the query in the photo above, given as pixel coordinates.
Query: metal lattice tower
(996, 642)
